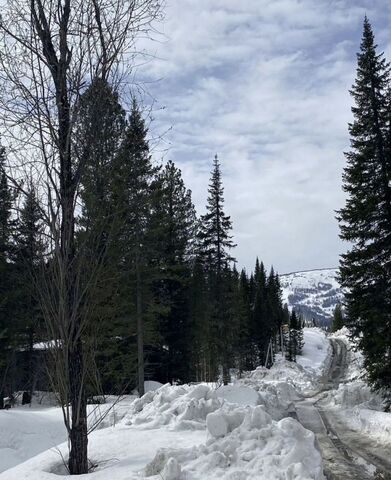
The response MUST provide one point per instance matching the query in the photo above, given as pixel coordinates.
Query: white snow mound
(245, 444)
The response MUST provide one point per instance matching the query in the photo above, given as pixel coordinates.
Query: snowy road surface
(346, 454)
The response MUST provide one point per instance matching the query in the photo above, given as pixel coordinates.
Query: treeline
(165, 300)
(365, 220)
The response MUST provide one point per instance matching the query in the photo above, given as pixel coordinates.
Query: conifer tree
(261, 318)
(299, 335)
(293, 348)
(365, 220)
(200, 328)
(134, 187)
(28, 265)
(274, 309)
(100, 130)
(101, 124)
(6, 328)
(338, 318)
(171, 237)
(215, 244)
(244, 338)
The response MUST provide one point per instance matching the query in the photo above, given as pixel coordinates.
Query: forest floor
(251, 429)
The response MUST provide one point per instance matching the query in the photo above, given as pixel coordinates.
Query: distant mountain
(314, 293)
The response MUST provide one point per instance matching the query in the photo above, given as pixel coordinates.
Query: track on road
(347, 455)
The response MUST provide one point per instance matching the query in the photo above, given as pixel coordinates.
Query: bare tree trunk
(140, 328)
(31, 372)
(78, 460)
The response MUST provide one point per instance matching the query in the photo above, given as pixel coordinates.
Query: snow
(354, 404)
(151, 385)
(315, 351)
(257, 448)
(315, 293)
(235, 432)
(25, 432)
(241, 395)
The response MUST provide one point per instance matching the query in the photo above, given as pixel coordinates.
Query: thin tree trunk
(140, 329)
(78, 460)
(31, 373)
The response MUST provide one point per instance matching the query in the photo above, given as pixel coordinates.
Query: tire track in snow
(346, 455)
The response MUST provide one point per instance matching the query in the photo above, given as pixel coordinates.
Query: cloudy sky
(263, 83)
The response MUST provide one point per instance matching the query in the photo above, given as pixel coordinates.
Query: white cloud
(265, 84)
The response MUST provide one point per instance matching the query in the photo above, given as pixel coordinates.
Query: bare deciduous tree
(50, 51)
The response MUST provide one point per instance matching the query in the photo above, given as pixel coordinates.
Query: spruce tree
(274, 308)
(101, 124)
(293, 344)
(338, 318)
(99, 133)
(28, 267)
(6, 327)
(260, 319)
(365, 220)
(244, 338)
(134, 187)
(171, 238)
(290, 353)
(215, 244)
(201, 359)
(300, 335)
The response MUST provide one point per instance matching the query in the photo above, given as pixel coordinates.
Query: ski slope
(314, 293)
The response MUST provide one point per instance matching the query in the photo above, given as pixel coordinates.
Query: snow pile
(354, 391)
(247, 434)
(373, 423)
(179, 407)
(286, 382)
(353, 402)
(244, 444)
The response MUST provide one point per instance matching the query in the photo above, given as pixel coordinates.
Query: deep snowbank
(193, 432)
(244, 444)
(353, 403)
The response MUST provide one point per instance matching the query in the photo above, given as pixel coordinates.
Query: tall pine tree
(134, 188)
(28, 267)
(6, 324)
(215, 244)
(171, 239)
(365, 220)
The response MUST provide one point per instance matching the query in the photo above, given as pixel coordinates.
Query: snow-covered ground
(354, 404)
(238, 432)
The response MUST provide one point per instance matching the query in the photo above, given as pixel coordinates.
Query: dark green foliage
(163, 296)
(135, 188)
(365, 220)
(295, 337)
(200, 335)
(215, 243)
(7, 326)
(244, 345)
(100, 130)
(338, 318)
(261, 328)
(215, 227)
(171, 237)
(29, 253)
